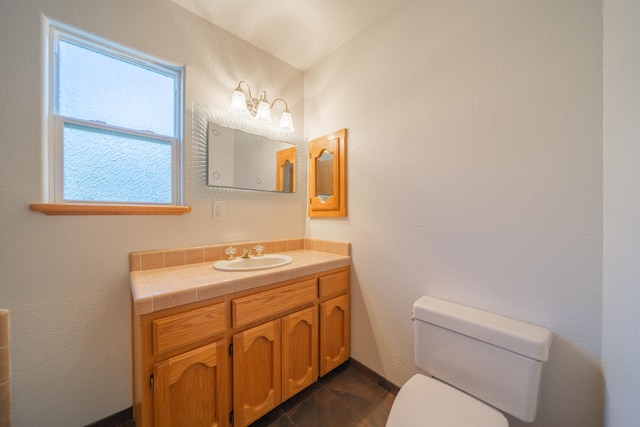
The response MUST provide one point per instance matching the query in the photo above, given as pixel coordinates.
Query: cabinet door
(256, 372)
(326, 170)
(299, 351)
(334, 333)
(190, 390)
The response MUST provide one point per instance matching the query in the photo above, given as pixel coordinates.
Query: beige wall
(474, 175)
(65, 279)
(621, 302)
(5, 369)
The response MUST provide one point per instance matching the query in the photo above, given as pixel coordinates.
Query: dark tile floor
(343, 398)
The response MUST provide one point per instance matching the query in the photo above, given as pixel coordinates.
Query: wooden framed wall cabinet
(327, 167)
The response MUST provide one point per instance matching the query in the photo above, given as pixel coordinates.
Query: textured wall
(64, 279)
(621, 304)
(5, 371)
(474, 175)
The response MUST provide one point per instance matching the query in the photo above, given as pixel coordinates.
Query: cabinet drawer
(269, 303)
(187, 328)
(335, 283)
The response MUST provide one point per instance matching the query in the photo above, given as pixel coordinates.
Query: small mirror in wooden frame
(327, 175)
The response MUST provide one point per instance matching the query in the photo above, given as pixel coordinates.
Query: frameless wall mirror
(238, 159)
(245, 154)
(327, 175)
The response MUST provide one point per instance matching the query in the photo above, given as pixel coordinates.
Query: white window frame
(56, 121)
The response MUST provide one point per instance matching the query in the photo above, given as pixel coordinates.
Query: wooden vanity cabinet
(190, 389)
(187, 373)
(180, 360)
(334, 320)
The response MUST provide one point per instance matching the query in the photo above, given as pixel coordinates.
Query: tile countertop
(163, 288)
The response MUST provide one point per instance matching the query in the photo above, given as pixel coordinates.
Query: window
(116, 124)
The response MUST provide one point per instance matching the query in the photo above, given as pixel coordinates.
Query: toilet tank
(493, 358)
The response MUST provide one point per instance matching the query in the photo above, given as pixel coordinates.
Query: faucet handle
(230, 252)
(258, 250)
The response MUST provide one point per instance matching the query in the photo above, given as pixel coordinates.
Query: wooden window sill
(70, 209)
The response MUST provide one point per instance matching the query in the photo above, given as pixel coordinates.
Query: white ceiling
(299, 32)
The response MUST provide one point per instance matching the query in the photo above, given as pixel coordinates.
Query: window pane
(107, 166)
(94, 86)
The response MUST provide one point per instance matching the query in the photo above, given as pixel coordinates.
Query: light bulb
(264, 112)
(286, 122)
(238, 103)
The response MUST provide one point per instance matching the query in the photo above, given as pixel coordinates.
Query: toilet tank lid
(514, 335)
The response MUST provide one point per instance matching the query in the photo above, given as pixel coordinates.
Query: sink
(253, 263)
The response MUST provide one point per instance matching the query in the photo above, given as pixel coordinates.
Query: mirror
(327, 175)
(324, 175)
(243, 160)
(291, 175)
(285, 174)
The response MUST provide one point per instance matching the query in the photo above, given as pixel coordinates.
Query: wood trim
(73, 209)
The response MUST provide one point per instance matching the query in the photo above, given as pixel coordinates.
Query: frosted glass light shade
(264, 112)
(286, 122)
(238, 103)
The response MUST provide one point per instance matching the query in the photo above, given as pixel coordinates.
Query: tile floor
(343, 398)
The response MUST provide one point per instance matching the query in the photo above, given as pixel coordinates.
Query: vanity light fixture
(258, 108)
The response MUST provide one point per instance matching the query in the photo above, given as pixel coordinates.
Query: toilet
(481, 363)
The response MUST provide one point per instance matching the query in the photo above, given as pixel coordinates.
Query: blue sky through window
(94, 86)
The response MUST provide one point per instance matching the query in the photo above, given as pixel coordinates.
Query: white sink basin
(253, 263)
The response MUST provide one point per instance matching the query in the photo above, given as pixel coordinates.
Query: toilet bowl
(425, 401)
(481, 363)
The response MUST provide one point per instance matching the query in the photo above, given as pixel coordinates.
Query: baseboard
(374, 376)
(114, 420)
